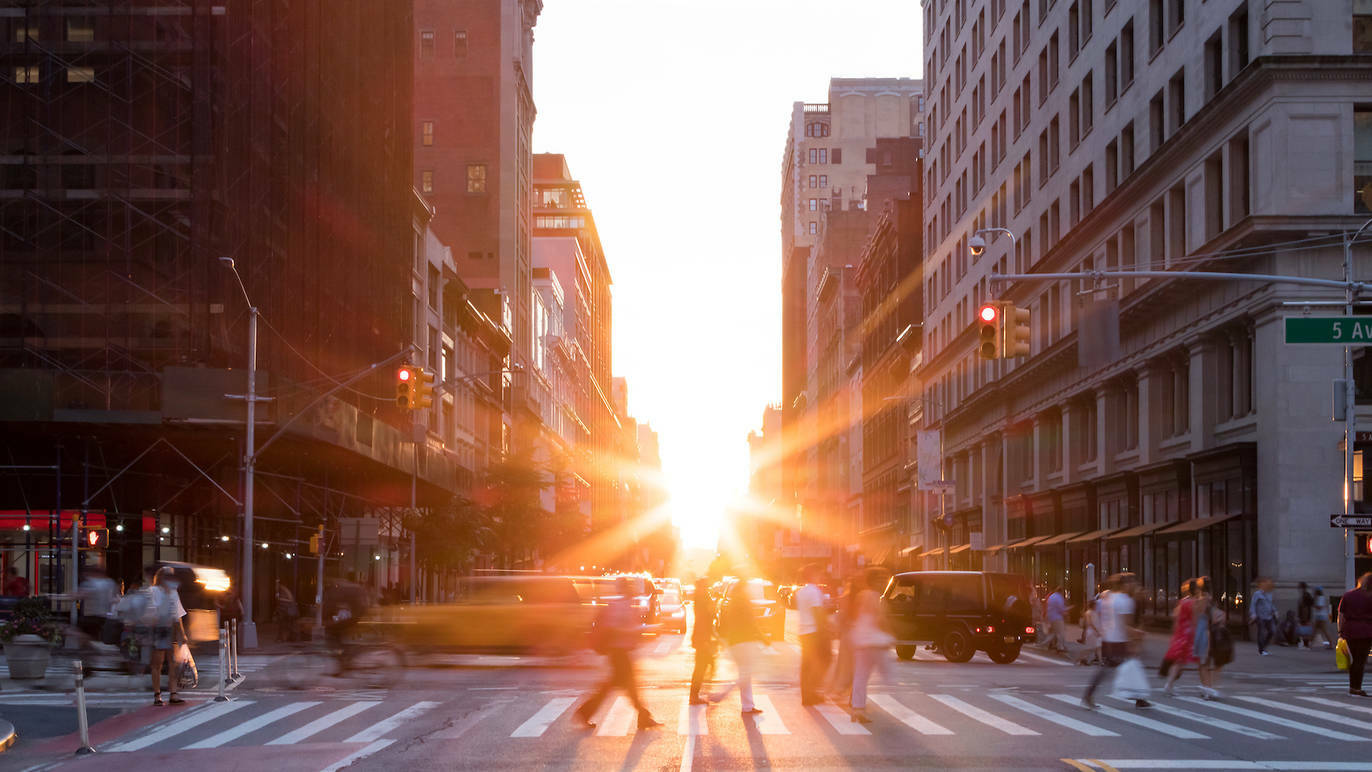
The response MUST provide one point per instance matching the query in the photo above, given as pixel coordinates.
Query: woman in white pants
(738, 627)
(872, 639)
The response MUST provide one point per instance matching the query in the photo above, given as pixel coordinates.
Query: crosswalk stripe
(840, 721)
(1137, 720)
(320, 724)
(190, 720)
(906, 716)
(977, 714)
(664, 646)
(1042, 658)
(1337, 704)
(538, 723)
(769, 720)
(1213, 722)
(1288, 723)
(1056, 718)
(617, 719)
(361, 753)
(691, 720)
(251, 725)
(1325, 715)
(924, 655)
(379, 729)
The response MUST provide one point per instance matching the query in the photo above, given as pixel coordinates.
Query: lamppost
(1350, 414)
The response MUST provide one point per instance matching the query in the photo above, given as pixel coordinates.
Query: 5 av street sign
(1340, 330)
(1350, 521)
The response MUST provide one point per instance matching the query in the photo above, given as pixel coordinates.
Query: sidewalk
(1283, 660)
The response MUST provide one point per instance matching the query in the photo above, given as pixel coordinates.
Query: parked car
(542, 615)
(770, 613)
(672, 609)
(643, 593)
(960, 611)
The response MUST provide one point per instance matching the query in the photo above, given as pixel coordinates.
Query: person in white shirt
(813, 628)
(1114, 619)
(164, 611)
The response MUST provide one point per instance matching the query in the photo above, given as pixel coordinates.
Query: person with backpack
(1214, 647)
(616, 631)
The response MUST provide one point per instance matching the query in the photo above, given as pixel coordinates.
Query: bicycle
(363, 655)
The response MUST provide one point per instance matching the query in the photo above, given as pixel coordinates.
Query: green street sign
(1340, 330)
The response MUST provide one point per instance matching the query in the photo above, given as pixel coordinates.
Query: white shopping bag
(187, 673)
(1130, 681)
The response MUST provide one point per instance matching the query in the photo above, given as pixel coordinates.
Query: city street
(1288, 711)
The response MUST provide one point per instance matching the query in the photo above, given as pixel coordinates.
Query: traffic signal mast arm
(1357, 286)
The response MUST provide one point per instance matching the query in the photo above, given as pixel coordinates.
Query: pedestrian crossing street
(978, 715)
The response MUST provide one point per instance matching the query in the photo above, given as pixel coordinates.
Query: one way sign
(1350, 521)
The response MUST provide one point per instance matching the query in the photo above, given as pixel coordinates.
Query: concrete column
(1036, 478)
(1070, 454)
(1149, 393)
(1202, 398)
(1105, 451)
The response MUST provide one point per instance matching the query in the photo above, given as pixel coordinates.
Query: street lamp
(1350, 414)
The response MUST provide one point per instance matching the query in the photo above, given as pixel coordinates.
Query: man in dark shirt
(1355, 625)
(703, 638)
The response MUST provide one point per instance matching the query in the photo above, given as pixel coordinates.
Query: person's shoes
(861, 718)
(715, 699)
(1264, 653)
(584, 722)
(176, 701)
(157, 701)
(697, 701)
(1142, 704)
(1167, 690)
(1357, 692)
(1088, 704)
(648, 722)
(752, 711)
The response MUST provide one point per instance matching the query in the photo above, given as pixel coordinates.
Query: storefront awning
(959, 548)
(1091, 536)
(929, 553)
(1138, 530)
(996, 548)
(906, 552)
(1191, 526)
(1059, 539)
(1029, 542)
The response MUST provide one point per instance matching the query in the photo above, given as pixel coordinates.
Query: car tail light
(1028, 631)
(990, 629)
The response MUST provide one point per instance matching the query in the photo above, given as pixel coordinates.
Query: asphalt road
(492, 713)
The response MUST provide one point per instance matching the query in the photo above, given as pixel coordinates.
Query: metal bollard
(81, 721)
(223, 663)
(233, 651)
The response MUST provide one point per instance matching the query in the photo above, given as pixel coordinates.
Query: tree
(511, 499)
(449, 538)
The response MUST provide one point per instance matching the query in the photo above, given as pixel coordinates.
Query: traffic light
(424, 388)
(990, 337)
(1017, 331)
(94, 538)
(317, 541)
(405, 384)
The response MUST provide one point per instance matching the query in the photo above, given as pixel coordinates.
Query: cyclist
(345, 603)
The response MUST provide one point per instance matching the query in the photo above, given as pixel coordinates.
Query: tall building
(473, 123)
(1223, 135)
(141, 143)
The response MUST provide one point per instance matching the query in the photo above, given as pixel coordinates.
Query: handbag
(1341, 656)
(1130, 681)
(187, 674)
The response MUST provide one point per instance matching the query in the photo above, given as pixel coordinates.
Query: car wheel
(905, 652)
(957, 646)
(1003, 655)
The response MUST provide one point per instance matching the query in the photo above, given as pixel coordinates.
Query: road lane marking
(691, 720)
(769, 720)
(665, 646)
(977, 714)
(1137, 720)
(840, 720)
(906, 716)
(1043, 658)
(538, 723)
(1074, 764)
(190, 720)
(1211, 722)
(357, 754)
(688, 754)
(1056, 718)
(375, 731)
(251, 725)
(320, 724)
(1288, 723)
(1336, 703)
(1325, 715)
(617, 719)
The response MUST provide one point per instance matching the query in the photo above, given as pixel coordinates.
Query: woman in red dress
(1181, 650)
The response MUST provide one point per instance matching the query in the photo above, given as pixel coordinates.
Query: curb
(8, 737)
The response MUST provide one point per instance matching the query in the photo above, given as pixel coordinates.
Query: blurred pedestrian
(1355, 626)
(871, 639)
(703, 638)
(287, 612)
(841, 675)
(165, 610)
(1055, 614)
(1263, 613)
(738, 627)
(617, 631)
(1214, 645)
(229, 605)
(98, 597)
(345, 604)
(16, 586)
(1305, 616)
(1118, 636)
(816, 647)
(1321, 618)
(1181, 650)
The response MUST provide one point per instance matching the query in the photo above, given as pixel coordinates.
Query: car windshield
(670, 597)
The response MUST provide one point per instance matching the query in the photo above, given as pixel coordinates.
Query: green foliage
(31, 617)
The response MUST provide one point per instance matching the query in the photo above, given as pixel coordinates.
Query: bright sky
(673, 114)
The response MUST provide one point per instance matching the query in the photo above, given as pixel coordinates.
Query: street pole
(249, 462)
(1350, 415)
(414, 512)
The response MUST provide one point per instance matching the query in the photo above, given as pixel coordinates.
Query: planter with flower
(29, 636)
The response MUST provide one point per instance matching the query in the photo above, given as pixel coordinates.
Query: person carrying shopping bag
(872, 638)
(1119, 638)
(164, 612)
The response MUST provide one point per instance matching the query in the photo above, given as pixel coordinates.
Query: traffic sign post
(1337, 330)
(1350, 521)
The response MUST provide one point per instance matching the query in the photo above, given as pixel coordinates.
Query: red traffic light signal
(989, 336)
(989, 313)
(404, 388)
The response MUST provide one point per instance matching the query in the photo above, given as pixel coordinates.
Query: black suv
(961, 612)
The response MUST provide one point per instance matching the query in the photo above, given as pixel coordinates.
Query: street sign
(939, 486)
(929, 447)
(1339, 330)
(1350, 521)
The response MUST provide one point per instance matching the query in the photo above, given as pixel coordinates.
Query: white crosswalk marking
(192, 719)
(1135, 719)
(538, 723)
(1288, 723)
(361, 753)
(665, 646)
(378, 730)
(840, 721)
(1041, 658)
(1212, 722)
(691, 720)
(251, 725)
(1336, 718)
(924, 655)
(906, 716)
(617, 719)
(977, 714)
(1337, 704)
(769, 720)
(320, 724)
(1056, 718)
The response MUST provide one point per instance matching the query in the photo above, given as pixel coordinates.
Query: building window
(23, 34)
(824, 180)
(837, 155)
(814, 228)
(26, 75)
(426, 133)
(80, 74)
(426, 181)
(1362, 160)
(80, 32)
(460, 44)
(814, 205)
(426, 44)
(814, 180)
(476, 178)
